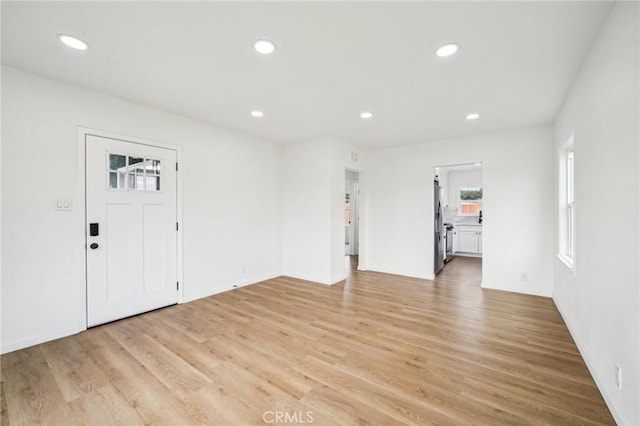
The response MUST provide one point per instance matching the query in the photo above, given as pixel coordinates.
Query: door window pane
(153, 167)
(152, 174)
(135, 182)
(117, 162)
(152, 183)
(135, 160)
(136, 165)
(116, 180)
(139, 183)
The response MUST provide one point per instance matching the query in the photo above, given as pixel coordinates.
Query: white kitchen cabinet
(469, 239)
(456, 241)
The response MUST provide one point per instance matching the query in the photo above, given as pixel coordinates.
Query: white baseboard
(231, 286)
(260, 279)
(403, 274)
(310, 278)
(513, 290)
(607, 399)
(42, 338)
(339, 279)
(465, 254)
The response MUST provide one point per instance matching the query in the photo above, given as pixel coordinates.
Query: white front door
(131, 228)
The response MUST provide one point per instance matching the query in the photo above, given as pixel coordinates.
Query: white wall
(313, 209)
(1, 97)
(601, 304)
(518, 207)
(306, 220)
(231, 196)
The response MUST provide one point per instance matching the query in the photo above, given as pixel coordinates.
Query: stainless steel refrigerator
(438, 228)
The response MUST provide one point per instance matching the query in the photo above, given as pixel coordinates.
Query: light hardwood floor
(378, 349)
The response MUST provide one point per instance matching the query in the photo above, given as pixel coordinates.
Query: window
(571, 211)
(133, 173)
(470, 201)
(567, 211)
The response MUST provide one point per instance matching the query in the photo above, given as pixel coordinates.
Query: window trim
(567, 205)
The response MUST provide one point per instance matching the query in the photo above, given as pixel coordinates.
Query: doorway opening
(351, 219)
(458, 215)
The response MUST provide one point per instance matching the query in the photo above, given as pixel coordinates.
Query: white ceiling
(333, 60)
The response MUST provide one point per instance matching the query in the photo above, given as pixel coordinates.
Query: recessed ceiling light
(366, 115)
(257, 114)
(73, 42)
(264, 46)
(447, 50)
(473, 116)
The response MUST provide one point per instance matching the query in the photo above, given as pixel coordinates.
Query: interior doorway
(458, 213)
(351, 213)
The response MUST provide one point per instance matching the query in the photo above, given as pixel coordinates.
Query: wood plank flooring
(377, 349)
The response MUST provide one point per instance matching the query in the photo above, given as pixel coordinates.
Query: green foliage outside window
(470, 193)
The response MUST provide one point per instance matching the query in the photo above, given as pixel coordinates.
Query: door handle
(94, 246)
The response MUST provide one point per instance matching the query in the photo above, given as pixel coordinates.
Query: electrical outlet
(618, 377)
(524, 276)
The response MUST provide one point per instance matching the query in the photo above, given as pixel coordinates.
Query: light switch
(63, 204)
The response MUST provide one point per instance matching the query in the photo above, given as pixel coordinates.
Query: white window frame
(566, 204)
